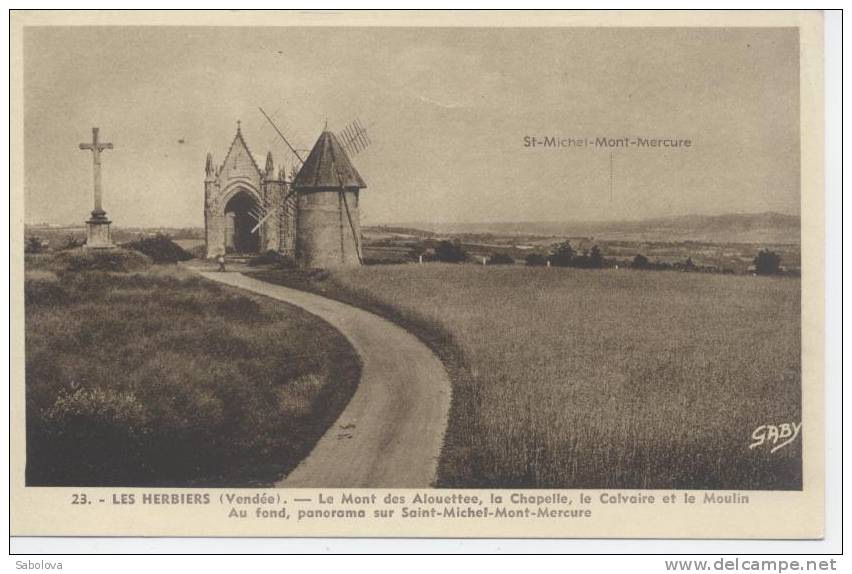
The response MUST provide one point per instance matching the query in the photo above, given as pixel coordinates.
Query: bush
(500, 259)
(97, 408)
(535, 260)
(114, 260)
(110, 422)
(767, 263)
(33, 245)
(160, 248)
(73, 242)
(198, 252)
(450, 252)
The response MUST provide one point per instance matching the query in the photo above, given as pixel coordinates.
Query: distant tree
(500, 259)
(640, 262)
(596, 259)
(535, 260)
(589, 259)
(688, 264)
(450, 252)
(562, 254)
(767, 262)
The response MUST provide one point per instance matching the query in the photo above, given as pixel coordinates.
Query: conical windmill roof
(328, 166)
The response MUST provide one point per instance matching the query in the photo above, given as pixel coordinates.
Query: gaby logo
(778, 436)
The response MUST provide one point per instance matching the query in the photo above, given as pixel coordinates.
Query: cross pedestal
(97, 232)
(97, 226)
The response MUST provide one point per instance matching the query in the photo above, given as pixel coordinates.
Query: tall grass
(158, 377)
(603, 378)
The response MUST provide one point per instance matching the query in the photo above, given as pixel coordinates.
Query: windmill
(333, 172)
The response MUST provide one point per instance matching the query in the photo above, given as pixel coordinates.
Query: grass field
(599, 378)
(154, 376)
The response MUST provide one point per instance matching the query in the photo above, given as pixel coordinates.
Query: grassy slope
(160, 377)
(600, 379)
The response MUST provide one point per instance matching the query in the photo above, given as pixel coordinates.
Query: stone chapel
(314, 218)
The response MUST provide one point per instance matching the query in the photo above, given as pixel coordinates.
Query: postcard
(417, 274)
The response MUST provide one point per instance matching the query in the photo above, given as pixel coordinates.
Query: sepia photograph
(442, 258)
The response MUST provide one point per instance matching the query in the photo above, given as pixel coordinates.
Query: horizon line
(403, 223)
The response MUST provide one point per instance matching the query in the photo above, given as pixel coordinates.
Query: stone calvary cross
(98, 235)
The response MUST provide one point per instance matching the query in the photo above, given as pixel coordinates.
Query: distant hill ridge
(766, 227)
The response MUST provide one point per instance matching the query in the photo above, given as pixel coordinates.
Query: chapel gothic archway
(240, 233)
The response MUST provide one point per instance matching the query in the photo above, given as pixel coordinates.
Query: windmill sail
(353, 138)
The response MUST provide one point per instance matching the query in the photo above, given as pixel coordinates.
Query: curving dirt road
(391, 432)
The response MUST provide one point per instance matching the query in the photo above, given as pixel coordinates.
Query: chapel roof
(240, 147)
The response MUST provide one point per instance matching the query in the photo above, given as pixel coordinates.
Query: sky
(446, 109)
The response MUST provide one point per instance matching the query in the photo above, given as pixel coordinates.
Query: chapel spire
(209, 168)
(270, 166)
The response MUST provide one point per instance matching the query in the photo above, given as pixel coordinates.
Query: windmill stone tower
(328, 226)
